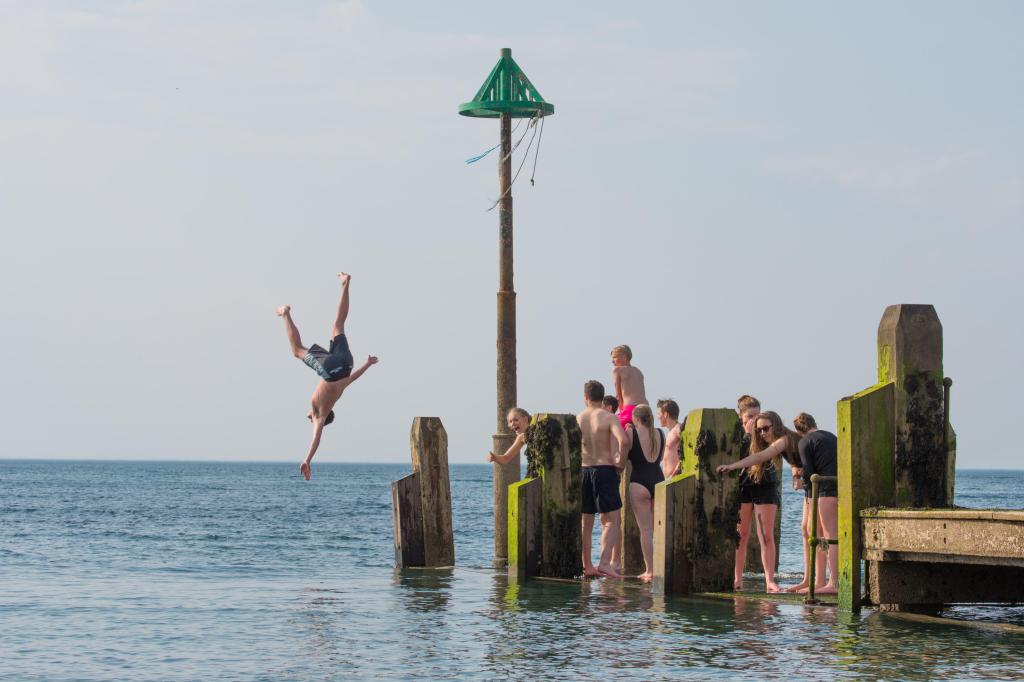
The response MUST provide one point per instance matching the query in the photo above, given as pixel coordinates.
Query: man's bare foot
(609, 572)
(283, 310)
(826, 589)
(799, 587)
(304, 470)
(344, 277)
(591, 572)
(645, 577)
(772, 588)
(737, 585)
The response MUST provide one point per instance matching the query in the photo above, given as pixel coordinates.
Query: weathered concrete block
(406, 516)
(866, 435)
(422, 502)
(911, 585)
(695, 513)
(553, 444)
(525, 500)
(910, 356)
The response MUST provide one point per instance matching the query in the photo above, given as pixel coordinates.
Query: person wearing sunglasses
(770, 441)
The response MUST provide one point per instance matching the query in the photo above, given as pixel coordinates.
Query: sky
(737, 190)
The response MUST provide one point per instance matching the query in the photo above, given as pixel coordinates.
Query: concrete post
(422, 502)
(910, 355)
(866, 435)
(695, 513)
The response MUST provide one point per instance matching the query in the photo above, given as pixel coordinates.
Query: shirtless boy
(600, 478)
(334, 366)
(668, 418)
(629, 384)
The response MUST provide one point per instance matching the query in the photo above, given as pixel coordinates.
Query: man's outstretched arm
(318, 429)
(372, 360)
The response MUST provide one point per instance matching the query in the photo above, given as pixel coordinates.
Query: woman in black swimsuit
(646, 444)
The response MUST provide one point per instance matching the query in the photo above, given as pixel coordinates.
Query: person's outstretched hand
(723, 468)
(372, 360)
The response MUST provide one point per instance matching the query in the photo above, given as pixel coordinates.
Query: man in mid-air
(334, 366)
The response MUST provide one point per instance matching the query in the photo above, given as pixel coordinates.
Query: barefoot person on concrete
(334, 366)
(600, 478)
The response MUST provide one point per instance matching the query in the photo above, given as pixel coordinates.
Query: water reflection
(424, 589)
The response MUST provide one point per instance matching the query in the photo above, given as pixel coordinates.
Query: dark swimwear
(646, 473)
(600, 489)
(765, 492)
(332, 364)
(818, 453)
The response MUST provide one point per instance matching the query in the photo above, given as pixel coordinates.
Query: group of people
(807, 450)
(619, 429)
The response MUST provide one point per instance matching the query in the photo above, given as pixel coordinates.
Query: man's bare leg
(298, 350)
(339, 322)
(588, 532)
(610, 534)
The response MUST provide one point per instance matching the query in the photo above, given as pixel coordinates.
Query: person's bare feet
(283, 310)
(344, 277)
(645, 577)
(609, 572)
(772, 588)
(305, 470)
(737, 585)
(591, 572)
(799, 587)
(826, 589)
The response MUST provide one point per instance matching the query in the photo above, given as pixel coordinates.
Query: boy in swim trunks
(629, 384)
(600, 478)
(333, 366)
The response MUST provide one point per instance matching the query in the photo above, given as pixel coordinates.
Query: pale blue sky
(737, 190)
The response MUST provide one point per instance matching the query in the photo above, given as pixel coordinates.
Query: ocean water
(215, 571)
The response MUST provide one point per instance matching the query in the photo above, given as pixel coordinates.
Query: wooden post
(910, 356)
(866, 442)
(406, 514)
(553, 442)
(422, 502)
(696, 512)
(524, 529)
(631, 554)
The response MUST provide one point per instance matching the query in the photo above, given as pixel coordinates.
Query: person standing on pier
(629, 383)
(770, 441)
(646, 448)
(668, 418)
(333, 366)
(819, 452)
(600, 478)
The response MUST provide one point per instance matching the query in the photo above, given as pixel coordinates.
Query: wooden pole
(504, 474)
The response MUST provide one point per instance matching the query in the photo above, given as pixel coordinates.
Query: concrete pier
(422, 501)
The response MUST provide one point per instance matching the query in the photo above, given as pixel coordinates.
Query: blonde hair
(521, 412)
(642, 415)
(623, 350)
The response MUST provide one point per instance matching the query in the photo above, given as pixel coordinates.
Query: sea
(135, 570)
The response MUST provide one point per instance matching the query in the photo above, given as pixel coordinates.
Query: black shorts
(600, 489)
(761, 493)
(332, 364)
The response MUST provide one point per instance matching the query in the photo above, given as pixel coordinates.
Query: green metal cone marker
(506, 94)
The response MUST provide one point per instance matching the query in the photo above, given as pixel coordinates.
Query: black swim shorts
(600, 489)
(762, 493)
(332, 364)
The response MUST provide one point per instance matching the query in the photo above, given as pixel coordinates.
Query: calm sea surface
(210, 571)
